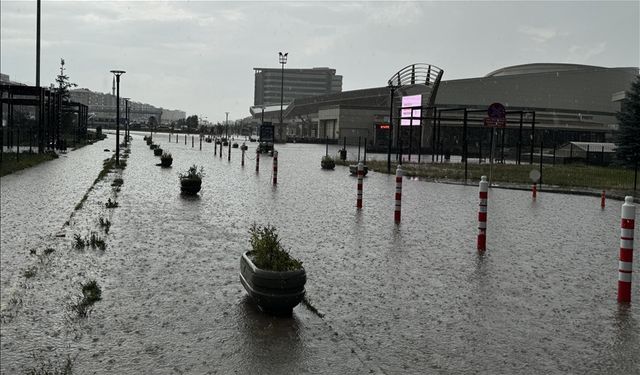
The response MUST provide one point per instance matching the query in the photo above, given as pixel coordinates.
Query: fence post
(625, 265)
(541, 148)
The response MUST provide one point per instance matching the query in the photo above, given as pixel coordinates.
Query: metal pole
(533, 137)
(541, 148)
(390, 131)
(518, 158)
(281, 97)
(464, 145)
(118, 119)
(38, 45)
(359, 139)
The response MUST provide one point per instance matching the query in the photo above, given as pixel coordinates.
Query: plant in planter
(149, 141)
(191, 181)
(327, 162)
(166, 159)
(153, 146)
(157, 151)
(271, 276)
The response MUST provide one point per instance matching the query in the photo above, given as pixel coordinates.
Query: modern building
(298, 83)
(571, 102)
(102, 109)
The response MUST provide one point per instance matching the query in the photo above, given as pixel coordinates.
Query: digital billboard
(406, 110)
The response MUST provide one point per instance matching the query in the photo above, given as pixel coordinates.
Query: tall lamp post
(118, 73)
(126, 117)
(283, 60)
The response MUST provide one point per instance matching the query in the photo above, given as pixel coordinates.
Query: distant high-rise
(298, 83)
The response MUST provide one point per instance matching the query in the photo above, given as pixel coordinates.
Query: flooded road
(412, 298)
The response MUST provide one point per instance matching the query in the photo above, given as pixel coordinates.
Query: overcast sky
(199, 56)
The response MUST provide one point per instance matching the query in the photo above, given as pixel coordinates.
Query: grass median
(566, 175)
(10, 163)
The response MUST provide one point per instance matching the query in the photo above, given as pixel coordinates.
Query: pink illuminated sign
(406, 110)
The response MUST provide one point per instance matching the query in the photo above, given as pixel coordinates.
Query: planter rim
(268, 273)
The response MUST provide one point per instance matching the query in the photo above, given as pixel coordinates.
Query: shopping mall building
(563, 102)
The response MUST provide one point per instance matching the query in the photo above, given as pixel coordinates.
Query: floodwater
(413, 298)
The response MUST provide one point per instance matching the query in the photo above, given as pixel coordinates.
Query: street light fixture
(118, 73)
(283, 61)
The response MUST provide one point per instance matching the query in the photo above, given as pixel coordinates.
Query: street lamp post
(118, 73)
(283, 60)
(126, 116)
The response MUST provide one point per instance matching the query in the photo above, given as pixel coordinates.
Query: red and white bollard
(398, 209)
(603, 198)
(275, 167)
(257, 162)
(625, 266)
(534, 190)
(360, 179)
(482, 214)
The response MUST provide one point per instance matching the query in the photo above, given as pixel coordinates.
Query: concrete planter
(190, 186)
(166, 162)
(274, 292)
(353, 169)
(327, 163)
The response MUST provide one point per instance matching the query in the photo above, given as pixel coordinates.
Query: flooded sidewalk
(412, 298)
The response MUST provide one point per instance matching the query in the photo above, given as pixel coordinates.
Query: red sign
(384, 126)
(495, 122)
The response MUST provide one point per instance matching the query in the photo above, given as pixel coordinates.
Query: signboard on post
(497, 116)
(411, 111)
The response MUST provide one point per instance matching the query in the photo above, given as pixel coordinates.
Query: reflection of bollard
(185, 139)
(192, 142)
(242, 160)
(360, 179)
(215, 148)
(257, 161)
(200, 143)
(627, 226)
(220, 149)
(603, 197)
(169, 137)
(396, 215)
(482, 214)
(229, 157)
(534, 190)
(275, 167)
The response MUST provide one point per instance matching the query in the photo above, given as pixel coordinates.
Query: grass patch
(49, 368)
(91, 293)
(96, 242)
(78, 242)
(111, 203)
(563, 175)
(105, 224)
(30, 272)
(9, 164)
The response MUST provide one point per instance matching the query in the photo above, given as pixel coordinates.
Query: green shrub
(192, 173)
(268, 253)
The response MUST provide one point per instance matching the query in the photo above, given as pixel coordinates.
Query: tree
(63, 83)
(628, 137)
